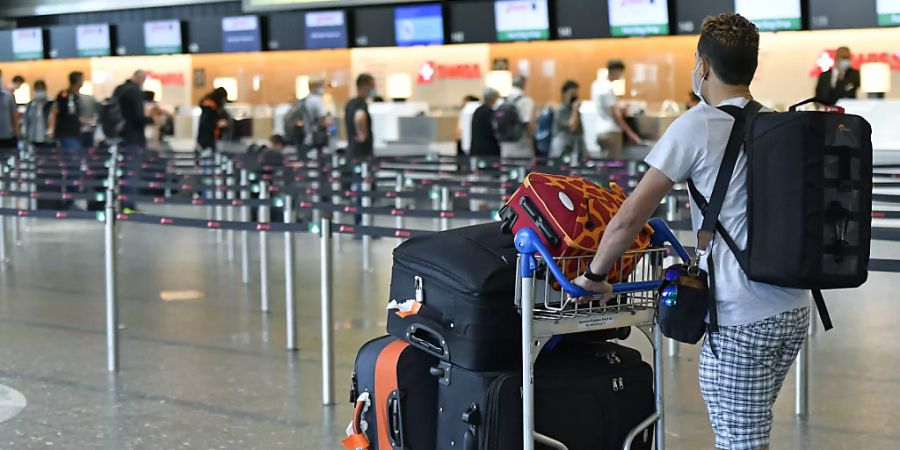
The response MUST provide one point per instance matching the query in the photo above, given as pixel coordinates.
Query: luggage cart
(547, 313)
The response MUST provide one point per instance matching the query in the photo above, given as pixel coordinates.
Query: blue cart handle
(528, 243)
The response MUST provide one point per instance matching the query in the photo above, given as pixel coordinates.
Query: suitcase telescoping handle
(528, 243)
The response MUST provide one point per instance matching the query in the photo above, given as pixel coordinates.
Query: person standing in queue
(611, 120)
(761, 327)
(523, 146)
(37, 115)
(315, 119)
(9, 120)
(130, 95)
(484, 135)
(841, 81)
(213, 118)
(360, 143)
(65, 118)
(568, 134)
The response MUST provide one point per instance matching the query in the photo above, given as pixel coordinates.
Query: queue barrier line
(399, 212)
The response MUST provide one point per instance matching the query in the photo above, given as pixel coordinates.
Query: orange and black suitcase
(570, 215)
(395, 398)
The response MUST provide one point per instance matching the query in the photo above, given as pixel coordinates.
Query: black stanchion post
(290, 304)
(366, 218)
(245, 238)
(3, 173)
(336, 187)
(14, 187)
(112, 306)
(264, 249)
(219, 194)
(207, 172)
(327, 329)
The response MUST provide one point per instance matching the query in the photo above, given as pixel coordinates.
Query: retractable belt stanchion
(671, 217)
(801, 400)
(445, 206)
(112, 307)
(229, 185)
(398, 202)
(290, 316)
(219, 194)
(245, 238)
(336, 187)
(3, 172)
(366, 219)
(263, 250)
(207, 194)
(14, 186)
(327, 328)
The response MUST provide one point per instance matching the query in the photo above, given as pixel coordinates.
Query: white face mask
(844, 64)
(697, 82)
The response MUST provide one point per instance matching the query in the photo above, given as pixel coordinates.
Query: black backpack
(809, 199)
(293, 123)
(509, 125)
(111, 119)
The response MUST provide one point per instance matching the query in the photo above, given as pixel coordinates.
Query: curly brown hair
(730, 43)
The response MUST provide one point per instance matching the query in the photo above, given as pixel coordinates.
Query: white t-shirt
(693, 147)
(604, 98)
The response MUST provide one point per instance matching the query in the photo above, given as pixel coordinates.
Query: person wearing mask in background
(568, 134)
(89, 113)
(524, 146)
(130, 95)
(360, 143)
(213, 118)
(841, 81)
(9, 120)
(484, 136)
(65, 118)
(37, 116)
(761, 327)
(611, 121)
(17, 83)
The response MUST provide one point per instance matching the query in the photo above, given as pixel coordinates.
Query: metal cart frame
(556, 314)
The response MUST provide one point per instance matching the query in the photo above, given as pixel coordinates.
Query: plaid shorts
(742, 372)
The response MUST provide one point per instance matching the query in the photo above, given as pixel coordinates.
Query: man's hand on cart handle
(603, 288)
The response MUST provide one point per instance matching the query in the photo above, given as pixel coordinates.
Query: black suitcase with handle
(589, 397)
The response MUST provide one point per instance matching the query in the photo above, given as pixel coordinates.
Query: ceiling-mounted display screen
(326, 29)
(690, 14)
(162, 37)
(771, 15)
(834, 14)
(888, 12)
(522, 20)
(27, 44)
(241, 34)
(638, 17)
(263, 5)
(92, 40)
(419, 25)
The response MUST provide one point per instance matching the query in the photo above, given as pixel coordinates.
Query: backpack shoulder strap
(712, 209)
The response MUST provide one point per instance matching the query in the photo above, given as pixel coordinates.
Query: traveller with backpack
(514, 122)
(306, 124)
(781, 204)
(65, 118)
(568, 133)
(484, 136)
(213, 118)
(130, 96)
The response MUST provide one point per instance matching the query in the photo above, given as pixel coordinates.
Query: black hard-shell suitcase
(586, 396)
(466, 279)
(401, 412)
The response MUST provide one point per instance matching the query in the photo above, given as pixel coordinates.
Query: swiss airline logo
(430, 72)
(825, 61)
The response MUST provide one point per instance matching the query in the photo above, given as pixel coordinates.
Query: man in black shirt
(131, 102)
(484, 134)
(841, 81)
(65, 120)
(358, 120)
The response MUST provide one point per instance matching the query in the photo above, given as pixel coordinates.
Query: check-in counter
(882, 115)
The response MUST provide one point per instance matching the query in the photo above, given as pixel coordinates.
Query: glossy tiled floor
(211, 372)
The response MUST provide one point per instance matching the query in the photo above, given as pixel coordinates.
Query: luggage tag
(410, 307)
(356, 431)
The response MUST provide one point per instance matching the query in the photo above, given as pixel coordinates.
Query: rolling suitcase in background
(395, 398)
(570, 215)
(586, 396)
(453, 296)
